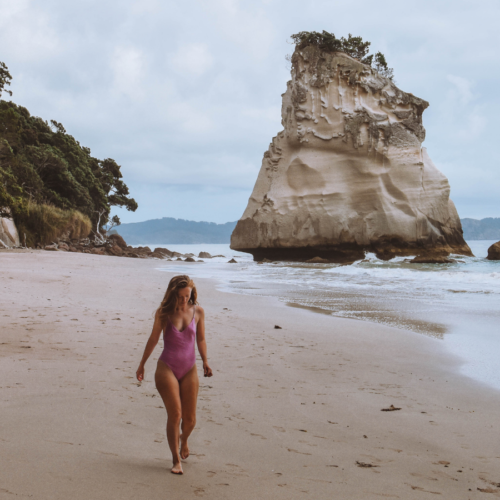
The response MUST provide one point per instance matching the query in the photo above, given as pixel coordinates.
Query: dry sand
(290, 413)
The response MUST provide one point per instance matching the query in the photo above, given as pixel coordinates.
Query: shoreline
(284, 416)
(453, 308)
(476, 352)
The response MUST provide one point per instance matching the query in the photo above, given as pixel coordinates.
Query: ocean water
(459, 303)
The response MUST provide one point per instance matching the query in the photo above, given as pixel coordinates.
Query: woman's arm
(202, 343)
(150, 346)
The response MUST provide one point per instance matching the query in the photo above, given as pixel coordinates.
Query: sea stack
(348, 174)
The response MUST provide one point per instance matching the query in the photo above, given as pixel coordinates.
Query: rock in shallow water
(494, 251)
(432, 259)
(348, 173)
(317, 260)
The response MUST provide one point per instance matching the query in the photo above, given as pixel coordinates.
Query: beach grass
(45, 223)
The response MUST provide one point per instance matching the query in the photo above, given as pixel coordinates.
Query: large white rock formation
(348, 173)
(8, 233)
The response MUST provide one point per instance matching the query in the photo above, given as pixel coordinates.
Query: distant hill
(484, 229)
(169, 231)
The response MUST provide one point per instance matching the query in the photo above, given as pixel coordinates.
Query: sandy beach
(290, 413)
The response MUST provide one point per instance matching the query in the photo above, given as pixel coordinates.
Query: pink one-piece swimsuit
(178, 348)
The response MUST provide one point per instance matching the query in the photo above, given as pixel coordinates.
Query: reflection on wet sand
(389, 318)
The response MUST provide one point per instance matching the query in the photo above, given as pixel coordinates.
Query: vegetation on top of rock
(42, 165)
(353, 46)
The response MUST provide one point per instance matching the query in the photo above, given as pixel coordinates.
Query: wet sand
(290, 413)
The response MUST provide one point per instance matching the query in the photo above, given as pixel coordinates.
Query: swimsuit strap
(194, 312)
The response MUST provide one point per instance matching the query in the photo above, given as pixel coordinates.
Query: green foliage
(381, 66)
(112, 223)
(353, 46)
(5, 78)
(43, 165)
(45, 223)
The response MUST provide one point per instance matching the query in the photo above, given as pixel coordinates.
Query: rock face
(118, 240)
(8, 233)
(348, 173)
(494, 251)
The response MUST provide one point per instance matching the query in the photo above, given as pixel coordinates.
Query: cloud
(26, 33)
(465, 118)
(128, 71)
(194, 59)
(462, 90)
(246, 24)
(140, 7)
(187, 95)
(190, 118)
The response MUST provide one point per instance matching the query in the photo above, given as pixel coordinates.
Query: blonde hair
(170, 300)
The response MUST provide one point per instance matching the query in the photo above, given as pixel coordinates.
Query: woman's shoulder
(200, 311)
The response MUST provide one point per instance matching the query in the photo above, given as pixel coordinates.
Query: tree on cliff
(42, 164)
(5, 78)
(353, 46)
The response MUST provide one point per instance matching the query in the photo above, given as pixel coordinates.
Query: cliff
(348, 174)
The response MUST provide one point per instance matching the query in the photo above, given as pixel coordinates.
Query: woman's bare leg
(188, 386)
(168, 387)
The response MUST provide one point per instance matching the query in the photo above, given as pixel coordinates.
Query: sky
(186, 96)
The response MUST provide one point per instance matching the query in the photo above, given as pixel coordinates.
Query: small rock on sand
(365, 465)
(232, 261)
(204, 255)
(189, 259)
(391, 408)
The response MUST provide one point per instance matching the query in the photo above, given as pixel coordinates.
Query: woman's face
(183, 296)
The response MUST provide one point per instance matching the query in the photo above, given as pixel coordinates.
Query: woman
(176, 378)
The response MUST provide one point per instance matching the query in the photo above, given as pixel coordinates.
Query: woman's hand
(140, 373)
(207, 371)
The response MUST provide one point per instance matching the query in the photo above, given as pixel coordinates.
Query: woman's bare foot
(184, 449)
(177, 469)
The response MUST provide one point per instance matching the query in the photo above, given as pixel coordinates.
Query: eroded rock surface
(9, 236)
(494, 251)
(348, 173)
